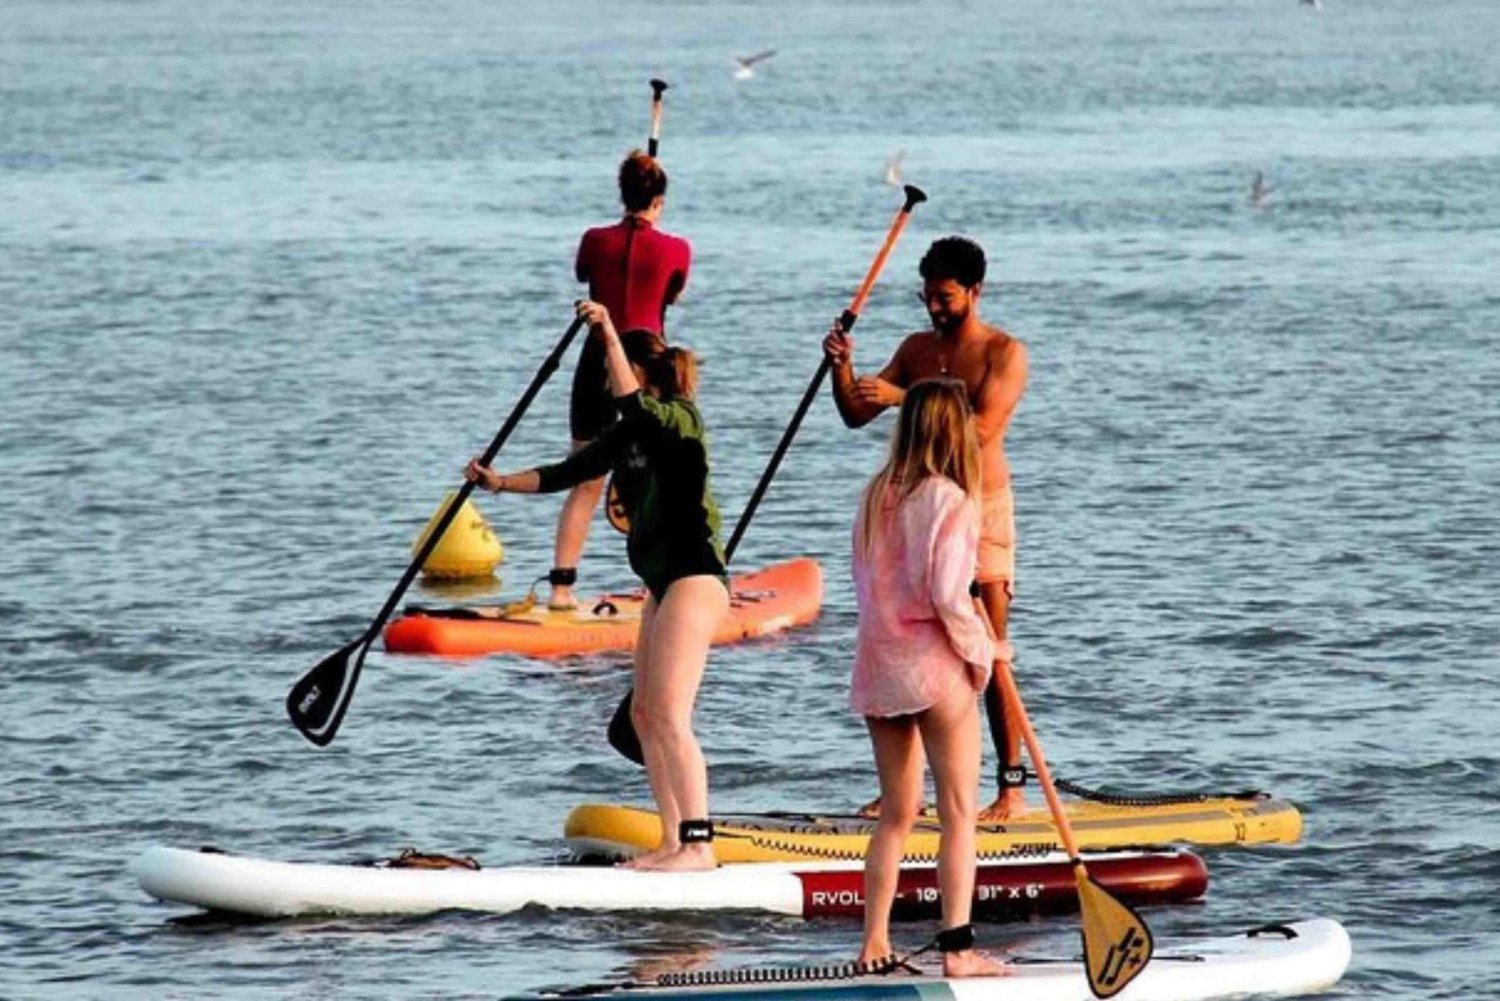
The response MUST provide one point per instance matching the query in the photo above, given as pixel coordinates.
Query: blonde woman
(922, 658)
(659, 453)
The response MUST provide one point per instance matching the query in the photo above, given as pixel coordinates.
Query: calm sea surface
(270, 271)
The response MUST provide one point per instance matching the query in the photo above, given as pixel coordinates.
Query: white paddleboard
(1275, 961)
(1004, 888)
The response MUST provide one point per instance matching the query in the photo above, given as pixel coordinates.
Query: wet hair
(934, 436)
(953, 257)
(641, 181)
(671, 373)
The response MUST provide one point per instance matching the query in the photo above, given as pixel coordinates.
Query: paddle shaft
(333, 678)
(1120, 944)
(914, 196)
(550, 365)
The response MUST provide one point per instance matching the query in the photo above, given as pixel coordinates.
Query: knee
(958, 807)
(662, 722)
(900, 811)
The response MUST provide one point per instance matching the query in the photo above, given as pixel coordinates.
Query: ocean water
(269, 272)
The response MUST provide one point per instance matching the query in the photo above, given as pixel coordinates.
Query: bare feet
(871, 810)
(1008, 804)
(971, 964)
(650, 859)
(873, 955)
(562, 599)
(696, 857)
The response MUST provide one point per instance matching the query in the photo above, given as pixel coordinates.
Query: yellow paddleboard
(787, 837)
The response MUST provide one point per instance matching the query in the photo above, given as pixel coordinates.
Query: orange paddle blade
(1117, 945)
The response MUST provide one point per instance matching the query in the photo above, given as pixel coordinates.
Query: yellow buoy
(467, 549)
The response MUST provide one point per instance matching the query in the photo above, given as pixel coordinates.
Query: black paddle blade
(914, 197)
(317, 703)
(622, 735)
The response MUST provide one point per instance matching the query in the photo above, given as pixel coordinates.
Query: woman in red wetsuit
(635, 271)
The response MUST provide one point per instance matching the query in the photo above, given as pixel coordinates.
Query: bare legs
(670, 656)
(1004, 733)
(949, 731)
(572, 532)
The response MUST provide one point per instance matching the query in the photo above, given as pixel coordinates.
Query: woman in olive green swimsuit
(659, 454)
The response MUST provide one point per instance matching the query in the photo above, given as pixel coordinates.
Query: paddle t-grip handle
(654, 142)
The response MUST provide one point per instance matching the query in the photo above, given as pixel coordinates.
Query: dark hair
(671, 373)
(955, 257)
(641, 181)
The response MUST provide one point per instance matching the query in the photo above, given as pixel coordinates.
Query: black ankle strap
(1012, 776)
(562, 576)
(957, 939)
(691, 832)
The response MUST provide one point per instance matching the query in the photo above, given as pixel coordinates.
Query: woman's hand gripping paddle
(318, 701)
(622, 735)
(1117, 945)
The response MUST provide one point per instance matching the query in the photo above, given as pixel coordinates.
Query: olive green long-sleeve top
(658, 451)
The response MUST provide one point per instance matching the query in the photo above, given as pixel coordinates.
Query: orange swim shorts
(997, 539)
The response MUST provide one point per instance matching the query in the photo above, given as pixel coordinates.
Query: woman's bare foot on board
(970, 963)
(650, 859)
(696, 857)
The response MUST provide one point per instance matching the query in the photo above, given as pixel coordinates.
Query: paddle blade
(1117, 945)
(622, 735)
(317, 702)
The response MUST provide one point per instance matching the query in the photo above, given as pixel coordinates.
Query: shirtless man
(636, 271)
(992, 364)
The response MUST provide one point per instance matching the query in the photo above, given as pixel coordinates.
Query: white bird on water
(742, 70)
(1259, 189)
(893, 169)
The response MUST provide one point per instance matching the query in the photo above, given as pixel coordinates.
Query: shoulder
(677, 245)
(592, 237)
(1004, 349)
(941, 496)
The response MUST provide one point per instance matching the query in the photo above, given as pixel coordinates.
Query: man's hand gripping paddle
(622, 735)
(318, 701)
(1117, 945)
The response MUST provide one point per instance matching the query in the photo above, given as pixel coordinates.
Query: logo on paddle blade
(1123, 958)
(310, 699)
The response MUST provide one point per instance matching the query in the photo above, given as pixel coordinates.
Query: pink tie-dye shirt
(919, 634)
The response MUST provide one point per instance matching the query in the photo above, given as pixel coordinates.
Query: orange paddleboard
(761, 603)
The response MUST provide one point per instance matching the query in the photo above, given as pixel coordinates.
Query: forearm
(527, 481)
(622, 380)
(853, 413)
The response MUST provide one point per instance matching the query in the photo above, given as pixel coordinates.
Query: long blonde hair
(934, 436)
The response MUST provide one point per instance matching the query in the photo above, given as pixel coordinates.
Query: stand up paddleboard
(1008, 889)
(786, 837)
(1276, 960)
(763, 603)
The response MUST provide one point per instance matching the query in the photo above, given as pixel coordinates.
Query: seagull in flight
(893, 169)
(1259, 190)
(742, 70)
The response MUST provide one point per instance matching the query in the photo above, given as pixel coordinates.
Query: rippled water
(270, 271)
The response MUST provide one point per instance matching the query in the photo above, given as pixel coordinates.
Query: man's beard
(948, 323)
